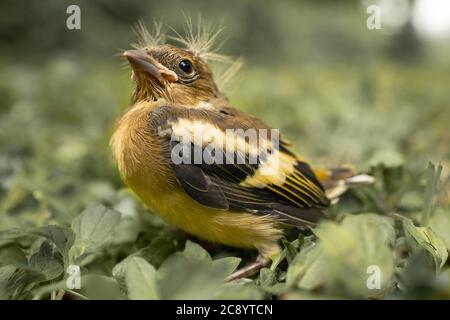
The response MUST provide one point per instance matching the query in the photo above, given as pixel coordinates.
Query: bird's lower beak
(140, 60)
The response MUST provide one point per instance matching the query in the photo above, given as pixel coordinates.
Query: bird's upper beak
(140, 60)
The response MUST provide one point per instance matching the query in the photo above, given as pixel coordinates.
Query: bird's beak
(140, 60)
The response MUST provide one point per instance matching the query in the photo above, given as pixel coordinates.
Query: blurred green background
(340, 92)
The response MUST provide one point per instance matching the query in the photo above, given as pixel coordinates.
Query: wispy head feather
(225, 72)
(146, 38)
(201, 39)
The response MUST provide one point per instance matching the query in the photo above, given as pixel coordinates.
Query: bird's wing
(222, 168)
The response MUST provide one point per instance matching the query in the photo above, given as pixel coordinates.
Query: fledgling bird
(236, 203)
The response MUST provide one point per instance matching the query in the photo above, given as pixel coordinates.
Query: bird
(244, 197)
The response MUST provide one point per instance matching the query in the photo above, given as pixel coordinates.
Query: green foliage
(93, 228)
(428, 240)
(191, 274)
(141, 280)
(335, 261)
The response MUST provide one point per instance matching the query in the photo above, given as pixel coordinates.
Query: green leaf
(183, 276)
(267, 277)
(411, 201)
(160, 248)
(227, 264)
(93, 228)
(190, 274)
(418, 277)
(440, 224)
(12, 255)
(180, 278)
(239, 291)
(291, 250)
(268, 282)
(387, 157)
(8, 289)
(119, 273)
(306, 270)
(277, 259)
(427, 239)
(432, 182)
(47, 261)
(99, 287)
(47, 288)
(195, 253)
(140, 278)
(354, 247)
(15, 282)
(61, 237)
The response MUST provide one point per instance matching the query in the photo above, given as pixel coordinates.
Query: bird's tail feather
(336, 180)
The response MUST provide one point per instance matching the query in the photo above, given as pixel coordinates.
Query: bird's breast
(138, 153)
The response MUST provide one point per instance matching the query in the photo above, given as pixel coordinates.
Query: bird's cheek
(133, 76)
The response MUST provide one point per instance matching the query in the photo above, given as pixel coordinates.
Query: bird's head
(171, 73)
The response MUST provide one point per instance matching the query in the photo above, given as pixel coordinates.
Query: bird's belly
(237, 229)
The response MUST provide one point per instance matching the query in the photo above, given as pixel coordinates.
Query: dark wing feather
(200, 187)
(221, 185)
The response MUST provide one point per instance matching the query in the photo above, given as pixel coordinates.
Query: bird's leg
(248, 270)
(266, 253)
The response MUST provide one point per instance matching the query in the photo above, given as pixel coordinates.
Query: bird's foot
(248, 270)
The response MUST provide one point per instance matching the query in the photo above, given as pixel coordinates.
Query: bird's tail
(336, 180)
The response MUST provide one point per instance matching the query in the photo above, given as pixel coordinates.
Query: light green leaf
(12, 255)
(99, 287)
(427, 239)
(267, 277)
(140, 278)
(190, 274)
(440, 224)
(268, 282)
(118, 272)
(277, 259)
(183, 278)
(291, 250)
(306, 270)
(371, 224)
(93, 228)
(195, 253)
(227, 265)
(351, 248)
(239, 291)
(387, 157)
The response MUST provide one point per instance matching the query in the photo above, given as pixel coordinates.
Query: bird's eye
(186, 66)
